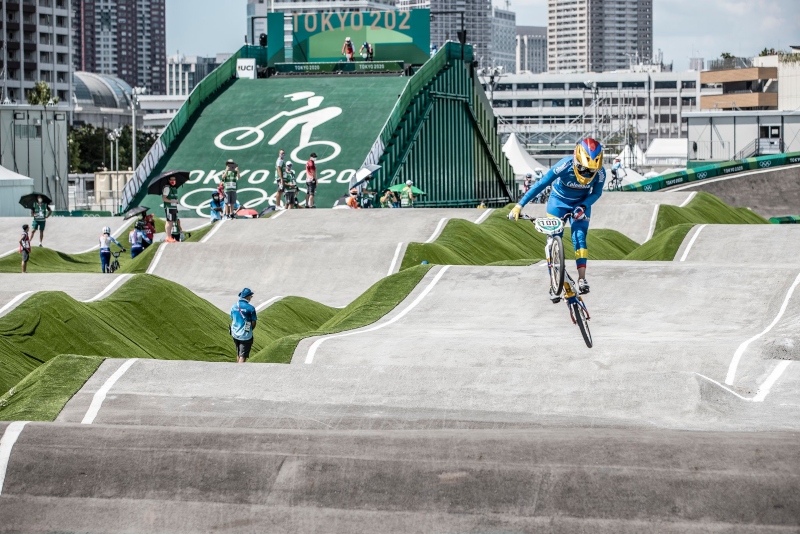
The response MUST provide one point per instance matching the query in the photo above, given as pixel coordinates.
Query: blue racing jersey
(243, 317)
(566, 188)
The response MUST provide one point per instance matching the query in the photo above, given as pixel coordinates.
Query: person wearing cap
(216, 207)
(407, 195)
(290, 186)
(367, 51)
(347, 49)
(170, 197)
(352, 200)
(40, 211)
(230, 176)
(243, 323)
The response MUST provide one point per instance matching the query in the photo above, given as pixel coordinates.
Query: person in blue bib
(577, 182)
(137, 238)
(243, 323)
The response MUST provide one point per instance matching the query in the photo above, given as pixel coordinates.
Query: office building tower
(35, 47)
(502, 45)
(185, 72)
(531, 53)
(598, 35)
(123, 38)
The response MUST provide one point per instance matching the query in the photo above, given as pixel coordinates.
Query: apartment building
(531, 49)
(185, 72)
(503, 44)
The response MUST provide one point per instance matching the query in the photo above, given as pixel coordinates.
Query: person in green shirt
(170, 197)
(290, 186)
(229, 177)
(40, 211)
(280, 169)
(407, 196)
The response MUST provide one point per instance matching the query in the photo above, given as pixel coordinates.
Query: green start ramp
(249, 121)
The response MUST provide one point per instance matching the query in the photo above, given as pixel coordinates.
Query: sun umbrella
(399, 187)
(156, 185)
(363, 174)
(247, 213)
(134, 212)
(27, 201)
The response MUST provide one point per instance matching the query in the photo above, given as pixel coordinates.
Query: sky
(681, 28)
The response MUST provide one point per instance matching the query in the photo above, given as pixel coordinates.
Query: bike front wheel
(579, 313)
(557, 265)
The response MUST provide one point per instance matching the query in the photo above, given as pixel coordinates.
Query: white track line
(653, 220)
(731, 177)
(109, 287)
(763, 389)
(267, 303)
(395, 258)
(273, 217)
(740, 351)
(115, 233)
(9, 253)
(159, 252)
(691, 242)
(314, 346)
(213, 231)
(6, 444)
(484, 216)
(688, 199)
(100, 395)
(439, 228)
(16, 299)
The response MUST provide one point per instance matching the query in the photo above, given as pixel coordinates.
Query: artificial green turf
(42, 394)
(663, 246)
(705, 208)
(376, 302)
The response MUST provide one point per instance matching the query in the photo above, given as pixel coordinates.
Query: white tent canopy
(522, 162)
(667, 152)
(13, 186)
(633, 157)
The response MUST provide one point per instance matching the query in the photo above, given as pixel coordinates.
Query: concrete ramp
(633, 214)
(65, 234)
(15, 288)
(741, 244)
(331, 256)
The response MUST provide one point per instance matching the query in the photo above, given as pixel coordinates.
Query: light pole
(494, 74)
(134, 102)
(114, 136)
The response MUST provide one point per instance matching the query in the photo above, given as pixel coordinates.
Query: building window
(553, 86)
(685, 84)
(633, 85)
(525, 103)
(502, 103)
(665, 85)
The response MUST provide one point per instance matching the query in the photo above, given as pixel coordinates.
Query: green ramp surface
(249, 121)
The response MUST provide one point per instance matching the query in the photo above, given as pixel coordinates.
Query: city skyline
(738, 27)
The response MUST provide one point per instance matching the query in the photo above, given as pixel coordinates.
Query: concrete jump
(741, 244)
(331, 256)
(633, 214)
(16, 288)
(65, 234)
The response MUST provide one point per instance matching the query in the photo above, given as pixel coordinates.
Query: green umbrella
(399, 187)
(27, 201)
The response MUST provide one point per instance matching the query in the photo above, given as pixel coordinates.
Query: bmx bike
(113, 266)
(561, 283)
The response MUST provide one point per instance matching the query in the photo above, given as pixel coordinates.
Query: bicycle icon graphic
(306, 117)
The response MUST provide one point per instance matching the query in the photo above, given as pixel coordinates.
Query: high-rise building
(696, 63)
(445, 26)
(185, 72)
(35, 47)
(598, 35)
(123, 38)
(503, 43)
(531, 56)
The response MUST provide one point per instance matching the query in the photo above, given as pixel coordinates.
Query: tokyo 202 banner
(394, 35)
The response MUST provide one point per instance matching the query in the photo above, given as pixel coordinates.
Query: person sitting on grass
(40, 212)
(137, 238)
(25, 247)
(105, 249)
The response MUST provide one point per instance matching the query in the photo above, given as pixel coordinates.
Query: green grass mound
(41, 395)
(498, 241)
(376, 302)
(663, 246)
(705, 208)
(45, 260)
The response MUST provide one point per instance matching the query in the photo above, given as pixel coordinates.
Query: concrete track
(632, 214)
(741, 244)
(770, 193)
(16, 288)
(331, 256)
(65, 234)
(135, 479)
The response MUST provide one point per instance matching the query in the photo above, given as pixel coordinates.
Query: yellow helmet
(588, 159)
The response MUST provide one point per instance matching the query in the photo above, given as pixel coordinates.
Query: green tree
(41, 95)
(88, 141)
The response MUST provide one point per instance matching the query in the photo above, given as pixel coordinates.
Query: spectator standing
(311, 180)
(348, 51)
(170, 197)
(407, 195)
(388, 199)
(280, 169)
(105, 248)
(216, 207)
(40, 212)
(367, 51)
(149, 228)
(25, 247)
(290, 186)
(230, 177)
(243, 323)
(528, 183)
(137, 238)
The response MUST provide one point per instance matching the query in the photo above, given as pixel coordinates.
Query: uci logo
(764, 164)
(247, 68)
(702, 175)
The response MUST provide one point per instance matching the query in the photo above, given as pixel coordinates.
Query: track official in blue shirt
(243, 322)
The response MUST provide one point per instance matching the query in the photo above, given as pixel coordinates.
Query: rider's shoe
(583, 286)
(554, 298)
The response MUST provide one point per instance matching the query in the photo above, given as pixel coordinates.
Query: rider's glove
(579, 213)
(513, 215)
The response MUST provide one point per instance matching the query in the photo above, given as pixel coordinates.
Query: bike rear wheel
(557, 266)
(583, 323)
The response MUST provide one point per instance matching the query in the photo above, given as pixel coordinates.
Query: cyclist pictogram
(306, 117)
